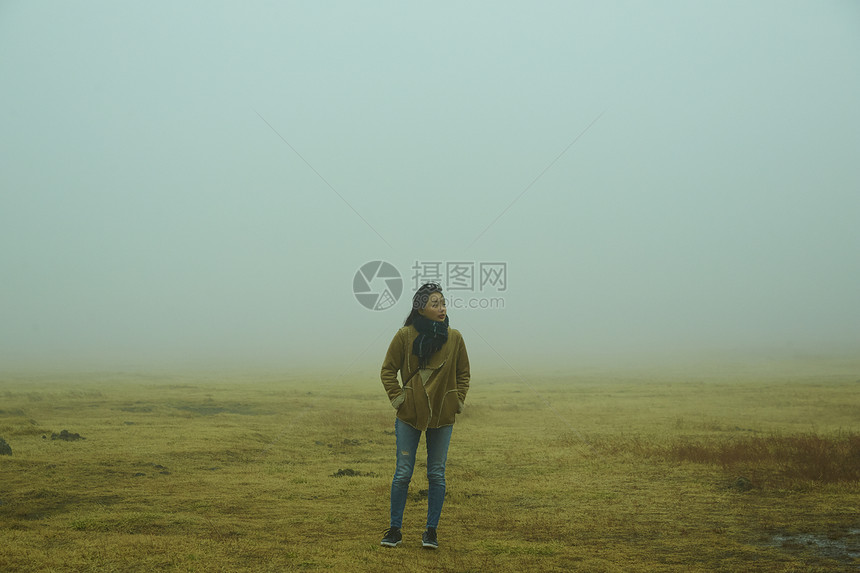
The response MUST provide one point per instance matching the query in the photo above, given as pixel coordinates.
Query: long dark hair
(419, 301)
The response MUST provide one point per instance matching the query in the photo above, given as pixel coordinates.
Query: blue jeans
(437, 453)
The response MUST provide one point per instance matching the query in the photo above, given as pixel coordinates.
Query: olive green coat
(433, 403)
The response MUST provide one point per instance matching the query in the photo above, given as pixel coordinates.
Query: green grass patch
(594, 473)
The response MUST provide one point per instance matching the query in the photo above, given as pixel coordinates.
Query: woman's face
(435, 308)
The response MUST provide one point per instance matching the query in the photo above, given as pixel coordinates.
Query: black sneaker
(428, 538)
(392, 538)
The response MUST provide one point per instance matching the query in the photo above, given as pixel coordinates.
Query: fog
(196, 185)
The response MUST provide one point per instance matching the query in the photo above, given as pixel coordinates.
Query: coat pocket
(406, 410)
(450, 407)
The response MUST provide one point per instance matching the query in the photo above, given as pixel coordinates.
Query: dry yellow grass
(594, 473)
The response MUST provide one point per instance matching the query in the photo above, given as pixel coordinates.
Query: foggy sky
(196, 184)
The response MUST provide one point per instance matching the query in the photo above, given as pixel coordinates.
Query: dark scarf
(432, 334)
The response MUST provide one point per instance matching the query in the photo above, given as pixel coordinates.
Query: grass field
(732, 471)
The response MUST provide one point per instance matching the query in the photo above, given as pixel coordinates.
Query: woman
(434, 367)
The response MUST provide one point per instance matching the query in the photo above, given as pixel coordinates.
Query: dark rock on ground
(67, 436)
(422, 494)
(5, 449)
(352, 472)
(742, 484)
(154, 466)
